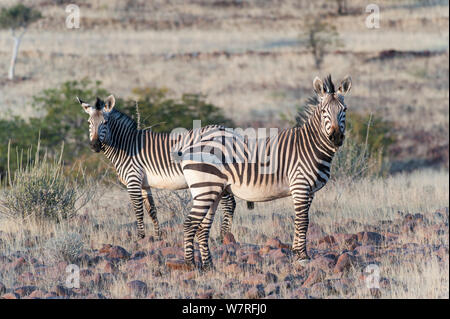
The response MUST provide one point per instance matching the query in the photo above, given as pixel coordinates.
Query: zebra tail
(250, 205)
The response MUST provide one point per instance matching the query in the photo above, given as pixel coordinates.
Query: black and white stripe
(295, 162)
(142, 159)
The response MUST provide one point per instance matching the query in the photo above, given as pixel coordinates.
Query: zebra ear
(109, 103)
(345, 86)
(84, 105)
(318, 87)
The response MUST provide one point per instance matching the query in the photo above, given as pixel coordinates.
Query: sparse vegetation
(38, 191)
(65, 247)
(321, 37)
(17, 18)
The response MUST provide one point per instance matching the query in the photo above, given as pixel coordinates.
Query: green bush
(39, 191)
(160, 110)
(63, 121)
(365, 149)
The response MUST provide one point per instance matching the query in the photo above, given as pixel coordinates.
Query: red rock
(19, 264)
(27, 278)
(105, 249)
(137, 288)
(232, 269)
(255, 292)
(258, 279)
(366, 250)
(208, 294)
(118, 252)
(265, 250)
(171, 251)
(228, 238)
(10, 295)
(314, 277)
(110, 267)
(254, 259)
(278, 253)
(344, 262)
(328, 239)
(63, 291)
(25, 290)
(37, 294)
(276, 243)
(325, 263)
(177, 265)
(370, 238)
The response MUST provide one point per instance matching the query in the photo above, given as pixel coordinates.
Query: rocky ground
(410, 245)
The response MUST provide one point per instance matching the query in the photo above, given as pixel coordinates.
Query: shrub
(158, 108)
(63, 247)
(321, 37)
(40, 192)
(365, 149)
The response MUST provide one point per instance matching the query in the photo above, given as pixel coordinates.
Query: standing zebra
(141, 159)
(299, 161)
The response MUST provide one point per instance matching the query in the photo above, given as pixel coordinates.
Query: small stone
(177, 265)
(37, 294)
(370, 238)
(10, 295)
(328, 239)
(265, 250)
(254, 259)
(314, 277)
(344, 262)
(63, 291)
(19, 264)
(208, 294)
(137, 288)
(228, 238)
(25, 290)
(256, 292)
(118, 252)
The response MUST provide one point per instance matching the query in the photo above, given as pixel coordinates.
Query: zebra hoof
(207, 268)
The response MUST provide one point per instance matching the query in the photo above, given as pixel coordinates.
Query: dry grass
(336, 209)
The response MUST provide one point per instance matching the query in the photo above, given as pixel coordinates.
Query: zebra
(299, 165)
(141, 159)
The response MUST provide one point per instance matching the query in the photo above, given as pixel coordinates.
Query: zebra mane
(306, 111)
(329, 85)
(122, 116)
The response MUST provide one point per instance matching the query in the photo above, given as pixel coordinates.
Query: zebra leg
(199, 222)
(150, 207)
(302, 201)
(203, 236)
(135, 193)
(228, 206)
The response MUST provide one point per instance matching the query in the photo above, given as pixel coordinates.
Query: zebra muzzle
(96, 145)
(337, 138)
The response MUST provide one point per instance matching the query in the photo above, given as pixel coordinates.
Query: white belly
(164, 182)
(260, 194)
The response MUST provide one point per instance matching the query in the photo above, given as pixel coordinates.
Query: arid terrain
(383, 223)
(249, 58)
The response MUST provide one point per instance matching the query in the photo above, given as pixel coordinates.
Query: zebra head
(332, 108)
(98, 118)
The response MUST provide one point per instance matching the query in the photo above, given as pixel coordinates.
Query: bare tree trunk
(17, 40)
